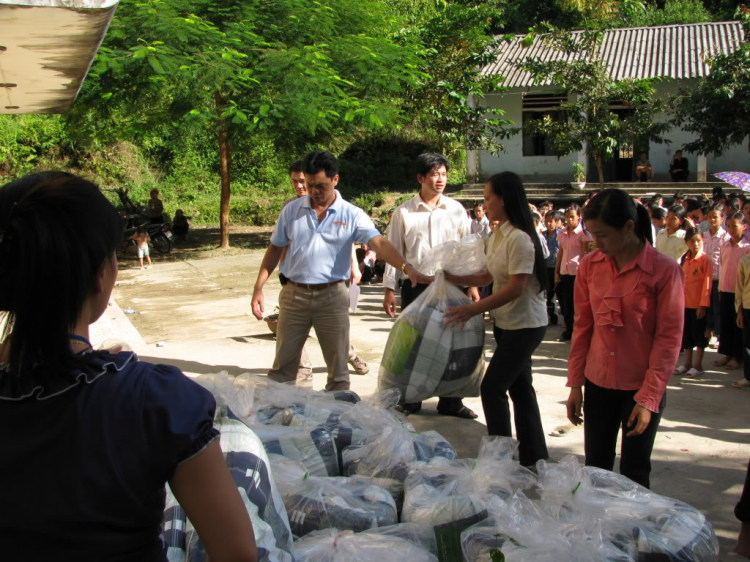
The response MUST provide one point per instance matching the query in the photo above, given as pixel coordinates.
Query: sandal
(681, 370)
(732, 365)
(464, 413)
(693, 373)
(742, 383)
(721, 362)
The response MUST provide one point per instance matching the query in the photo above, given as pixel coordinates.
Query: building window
(536, 107)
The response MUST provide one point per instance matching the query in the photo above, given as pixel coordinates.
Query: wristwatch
(403, 266)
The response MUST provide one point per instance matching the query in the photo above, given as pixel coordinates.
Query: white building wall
(532, 169)
(541, 169)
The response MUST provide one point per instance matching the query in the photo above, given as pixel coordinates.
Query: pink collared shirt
(712, 244)
(731, 254)
(570, 246)
(628, 325)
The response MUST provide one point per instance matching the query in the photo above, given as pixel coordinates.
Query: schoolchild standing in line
(573, 244)
(696, 266)
(733, 250)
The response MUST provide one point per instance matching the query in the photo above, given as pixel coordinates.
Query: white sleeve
(395, 234)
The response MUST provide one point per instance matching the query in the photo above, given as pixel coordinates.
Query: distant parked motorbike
(135, 217)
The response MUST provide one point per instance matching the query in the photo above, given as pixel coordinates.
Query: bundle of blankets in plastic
(346, 468)
(452, 495)
(589, 515)
(423, 357)
(406, 541)
(315, 503)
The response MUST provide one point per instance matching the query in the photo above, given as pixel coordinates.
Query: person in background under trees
(155, 208)
(180, 225)
(678, 168)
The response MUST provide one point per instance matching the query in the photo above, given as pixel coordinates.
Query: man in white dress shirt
(421, 223)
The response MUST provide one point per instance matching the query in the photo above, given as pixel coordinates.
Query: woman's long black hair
(56, 232)
(615, 208)
(510, 187)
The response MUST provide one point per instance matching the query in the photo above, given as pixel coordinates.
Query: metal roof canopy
(46, 49)
(677, 51)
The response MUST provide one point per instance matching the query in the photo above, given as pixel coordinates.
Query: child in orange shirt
(698, 271)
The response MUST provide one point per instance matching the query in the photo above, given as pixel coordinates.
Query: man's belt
(314, 286)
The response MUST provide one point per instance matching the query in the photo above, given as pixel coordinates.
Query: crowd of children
(709, 237)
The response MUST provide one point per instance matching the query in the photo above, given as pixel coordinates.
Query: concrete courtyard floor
(195, 314)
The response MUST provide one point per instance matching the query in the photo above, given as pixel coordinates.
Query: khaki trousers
(327, 311)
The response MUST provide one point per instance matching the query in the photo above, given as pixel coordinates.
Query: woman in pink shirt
(630, 304)
(573, 244)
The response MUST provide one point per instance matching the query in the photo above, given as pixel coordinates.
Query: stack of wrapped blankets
(327, 477)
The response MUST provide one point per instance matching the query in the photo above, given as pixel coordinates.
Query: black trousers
(746, 343)
(713, 318)
(605, 413)
(551, 293)
(730, 343)
(565, 295)
(445, 405)
(509, 372)
(742, 509)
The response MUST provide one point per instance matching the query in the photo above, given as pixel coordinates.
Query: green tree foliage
(672, 12)
(717, 107)
(456, 40)
(292, 71)
(587, 120)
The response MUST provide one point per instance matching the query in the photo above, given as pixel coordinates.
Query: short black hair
(658, 212)
(297, 166)
(547, 203)
(555, 215)
(428, 161)
(679, 195)
(321, 161)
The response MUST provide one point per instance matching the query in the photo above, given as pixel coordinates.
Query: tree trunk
(600, 168)
(225, 160)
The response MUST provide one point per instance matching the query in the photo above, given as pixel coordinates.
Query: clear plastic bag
(332, 545)
(386, 457)
(423, 357)
(314, 503)
(645, 525)
(521, 530)
(453, 495)
(235, 392)
(314, 447)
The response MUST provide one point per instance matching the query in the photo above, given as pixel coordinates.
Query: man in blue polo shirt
(318, 231)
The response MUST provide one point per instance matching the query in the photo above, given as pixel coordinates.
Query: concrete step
(563, 193)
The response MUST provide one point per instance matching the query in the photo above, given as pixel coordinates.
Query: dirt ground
(194, 311)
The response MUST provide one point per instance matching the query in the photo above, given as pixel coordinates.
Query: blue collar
(42, 384)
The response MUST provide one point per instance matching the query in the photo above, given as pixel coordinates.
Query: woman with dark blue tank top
(90, 438)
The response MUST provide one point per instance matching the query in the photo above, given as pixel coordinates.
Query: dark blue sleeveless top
(84, 457)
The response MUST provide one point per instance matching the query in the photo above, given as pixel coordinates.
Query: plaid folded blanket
(249, 467)
(315, 447)
(425, 358)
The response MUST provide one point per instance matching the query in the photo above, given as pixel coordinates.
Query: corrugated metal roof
(46, 48)
(677, 51)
